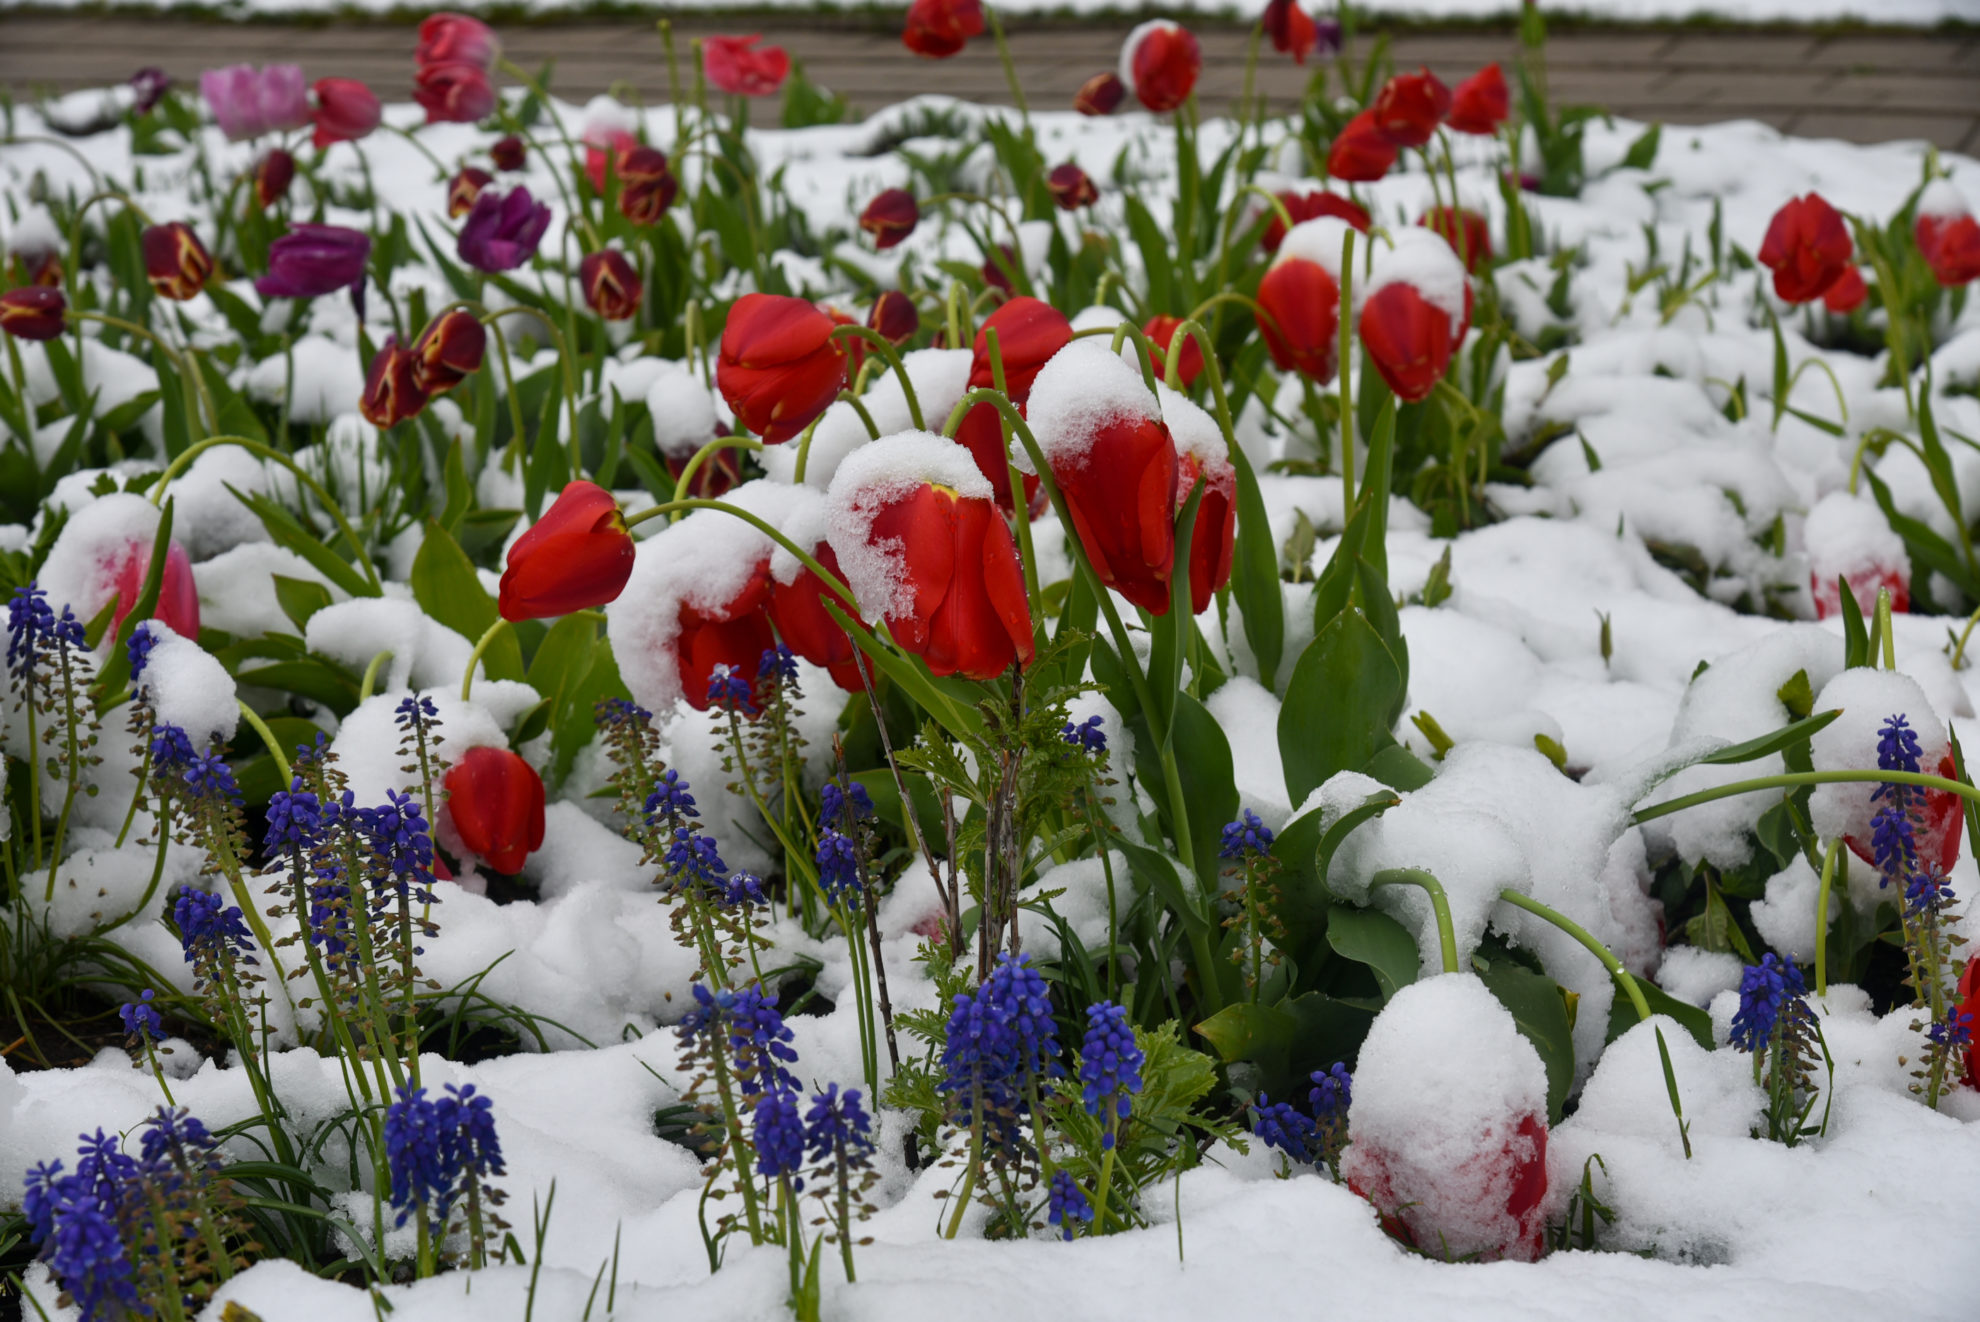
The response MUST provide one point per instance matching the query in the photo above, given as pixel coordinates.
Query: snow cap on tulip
(1160, 61)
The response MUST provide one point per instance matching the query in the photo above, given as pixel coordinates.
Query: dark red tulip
(1938, 828)
(855, 349)
(449, 350)
(496, 802)
(779, 366)
(1846, 295)
(1807, 248)
(1410, 107)
(454, 93)
(797, 609)
(612, 287)
(937, 29)
(735, 634)
(148, 86)
(1360, 153)
(37, 266)
(1161, 331)
(996, 274)
(312, 260)
(1100, 94)
(738, 67)
(1480, 103)
(391, 391)
(1947, 235)
(1162, 59)
(448, 38)
(1469, 236)
(890, 217)
(178, 597)
(1310, 206)
(175, 261)
(715, 476)
(1071, 187)
(272, 175)
(1416, 314)
(1291, 31)
(34, 312)
(1969, 1007)
(1304, 301)
(1214, 539)
(894, 316)
(646, 185)
(464, 188)
(576, 557)
(509, 153)
(1522, 1160)
(603, 143)
(346, 110)
(1029, 332)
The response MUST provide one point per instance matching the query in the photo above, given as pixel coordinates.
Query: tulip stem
(952, 308)
(831, 580)
(689, 470)
(1020, 504)
(1795, 779)
(1884, 628)
(1822, 917)
(563, 357)
(76, 221)
(260, 727)
(1010, 66)
(885, 348)
(872, 427)
(1273, 200)
(474, 657)
(1594, 947)
(803, 451)
(1144, 349)
(1342, 374)
(178, 359)
(1195, 330)
(1440, 906)
(371, 675)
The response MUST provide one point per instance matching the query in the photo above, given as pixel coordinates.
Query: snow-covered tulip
(1213, 541)
(1029, 332)
(937, 29)
(1115, 464)
(312, 260)
(392, 391)
(1071, 187)
(576, 557)
(1947, 234)
(464, 188)
(346, 110)
(779, 367)
(734, 633)
(454, 93)
(175, 261)
(449, 350)
(646, 184)
(509, 153)
(1480, 103)
(1465, 230)
(34, 312)
(916, 529)
(1447, 1127)
(449, 38)
(1100, 95)
(248, 102)
(273, 174)
(1968, 1007)
(502, 230)
(1862, 740)
(1360, 154)
(1849, 540)
(611, 286)
(495, 800)
(1310, 206)
(890, 217)
(1160, 61)
(1846, 295)
(894, 316)
(1161, 332)
(739, 67)
(807, 628)
(1300, 298)
(1415, 313)
(1807, 247)
(178, 596)
(1409, 108)
(1291, 30)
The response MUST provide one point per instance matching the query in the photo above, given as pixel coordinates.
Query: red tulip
(576, 557)
(995, 272)
(1846, 295)
(1100, 94)
(391, 391)
(894, 316)
(34, 312)
(1214, 539)
(1291, 31)
(454, 93)
(448, 351)
(1304, 300)
(1410, 107)
(178, 597)
(509, 153)
(797, 609)
(448, 38)
(1469, 236)
(1947, 235)
(890, 217)
(938, 29)
(38, 266)
(464, 188)
(1864, 585)
(1071, 187)
(646, 184)
(1522, 1172)
(175, 261)
(737, 67)
(1160, 61)
(1807, 248)
(1969, 1008)
(602, 143)
(496, 802)
(779, 366)
(1310, 206)
(934, 560)
(1028, 334)
(735, 634)
(272, 175)
(1161, 331)
(612, 287)
(716, 475)
(1481, 103)
(1115, 464)
(346, 110)
(1938, 829)
(1416, 314)
(1360, 153)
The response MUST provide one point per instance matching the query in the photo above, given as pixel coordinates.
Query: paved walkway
(1864, 87)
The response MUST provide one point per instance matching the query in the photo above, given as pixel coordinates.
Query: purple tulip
(248, 102)
(503, 229)
(311, 260)
(148, 85)
(1326, 36)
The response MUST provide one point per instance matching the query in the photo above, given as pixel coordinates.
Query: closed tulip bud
(1071, 187)
(576, 557)
(495, 800)
(1310, 206)
(1213, 541)
(272, 176)
(740, 68)
(1807, 248)
(646, 184)
(797, 609)
(391, 390)
(1465, 230)
(1947, 235)
(1409, 108)
(449, 350)
(1480, 103)
(1301, 295)
(1029, 332)
(464, 188)
(1360, 154)
(508, 153)
(890, 217)
(1417, 310)
(1159, 64)
(1846, 295)
(175, 261)
(312, 260)
(915, 526)
(346, 110)
(937, 29)
(612, 287)
(1100, 95)
(34, 312)
(178, 596)
(1291, 30)
(454, 93)
(894, 316)
(779, 367)
(1161, 332)
(448, 38)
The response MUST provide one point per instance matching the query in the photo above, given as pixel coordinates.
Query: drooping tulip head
(1465, 230)
(502, 230)
(1309, 206)
(391, 389)
(612, 288)
(464, 188)
(1415, 313)
(1100, 95)
(449, 350)
(346, 110)
(495, 800)
(894, 316)
(1029, 332)
(1947, 234)
(1409, 108)
(1071, 187)
(312, 260)
(646, 184)
(449, 38)
(1159, 63)
(1161, 332)
(509, 153)
(890, 217)
(1480, 103)
(272, 175)
(1807, 247)
(740, 68)
(937, 29)
(1301, 293)
(175, 261)
(34, 312)
(454, 93)
(576, 557)
(779, 366)
(1360, 153)
(1291, 31)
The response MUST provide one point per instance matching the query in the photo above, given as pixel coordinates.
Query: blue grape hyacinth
(1280, 1125)
(1769, 992)
(1110, 1067)
(1246, 835)
(1069, 1204)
